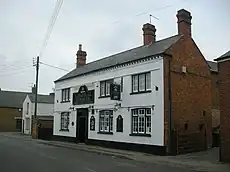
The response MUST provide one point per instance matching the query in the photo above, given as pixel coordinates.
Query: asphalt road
(29, 156)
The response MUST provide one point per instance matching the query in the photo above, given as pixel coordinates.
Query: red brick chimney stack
(81, 57)
(184, 23)
(149, 33)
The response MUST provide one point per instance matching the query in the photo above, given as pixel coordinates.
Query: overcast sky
(103, 27)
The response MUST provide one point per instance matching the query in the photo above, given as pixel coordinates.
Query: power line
(51, 25)
(54, 66)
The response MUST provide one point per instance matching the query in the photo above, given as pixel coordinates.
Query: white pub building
(116, 101)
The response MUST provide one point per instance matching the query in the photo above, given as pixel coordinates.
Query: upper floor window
(65, 96)
(141, 82)
(105, 88)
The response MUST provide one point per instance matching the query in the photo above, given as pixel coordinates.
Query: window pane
(135, 83)
(142, 82)
(141, 112)
(102, 88)
(148, 111)
(135, 124)
(141, 124)
(68, 94)
(107, 88)
(111, 123)
(135, 112)
(148, 124)
(148, 81)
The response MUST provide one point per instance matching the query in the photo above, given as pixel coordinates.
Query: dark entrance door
(82, 125)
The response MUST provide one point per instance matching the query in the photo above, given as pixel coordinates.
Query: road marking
(91, 170)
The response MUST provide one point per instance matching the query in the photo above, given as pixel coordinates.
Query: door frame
(84, 114)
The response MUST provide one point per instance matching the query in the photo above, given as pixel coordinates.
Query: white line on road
(88, 169)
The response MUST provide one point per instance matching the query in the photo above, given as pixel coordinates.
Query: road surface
(30, 156)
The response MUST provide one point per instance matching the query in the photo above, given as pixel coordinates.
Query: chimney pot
(184, 22)
(149, 34)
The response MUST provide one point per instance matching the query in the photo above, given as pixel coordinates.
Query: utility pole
(34, 134)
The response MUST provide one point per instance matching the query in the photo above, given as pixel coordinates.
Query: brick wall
(191, 92)
(224, 88)
(7, 119)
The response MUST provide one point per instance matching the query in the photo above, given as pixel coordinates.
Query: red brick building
(191, 103)
(224, 88)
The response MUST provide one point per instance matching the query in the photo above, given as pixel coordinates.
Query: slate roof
(14, 99)
(49, 99)
(158, 47)
(213, 66)
(224, 56)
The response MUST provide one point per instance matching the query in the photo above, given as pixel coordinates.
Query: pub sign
(115, 91)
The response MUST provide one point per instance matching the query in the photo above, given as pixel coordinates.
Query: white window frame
(141, 121)
(141, 82)
(64, 121)
(106, 121)
(65, 95)
(105, 88)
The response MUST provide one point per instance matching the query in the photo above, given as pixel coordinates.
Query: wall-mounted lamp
(153, 107)
(71, 108)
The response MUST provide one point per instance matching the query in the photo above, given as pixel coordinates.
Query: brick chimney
(81, 57)
(184, 22)
(149, 34)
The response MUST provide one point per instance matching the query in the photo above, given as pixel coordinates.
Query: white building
(45, 109)
(84, 111)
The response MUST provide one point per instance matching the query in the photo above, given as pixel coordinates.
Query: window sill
(103, 132)
(139, 134)
(65, 101)
(107, 96)
(66, 130)
(141, 92)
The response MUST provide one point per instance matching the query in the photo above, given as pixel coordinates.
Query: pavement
(43, 154)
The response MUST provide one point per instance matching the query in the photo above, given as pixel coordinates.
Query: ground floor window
(106, 121)
(65, 121)
(141, 121)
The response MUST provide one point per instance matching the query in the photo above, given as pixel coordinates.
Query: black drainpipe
(169, 108)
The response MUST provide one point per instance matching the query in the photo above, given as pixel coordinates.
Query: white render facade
(43, 109)
(147, 108)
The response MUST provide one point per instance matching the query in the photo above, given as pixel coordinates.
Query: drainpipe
(169, 108)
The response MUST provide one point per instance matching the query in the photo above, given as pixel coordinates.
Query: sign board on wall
(115, 91)
(83, 96)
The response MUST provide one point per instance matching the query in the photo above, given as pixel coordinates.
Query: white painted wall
(43, 109)
(147, 99)
(26, 116)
